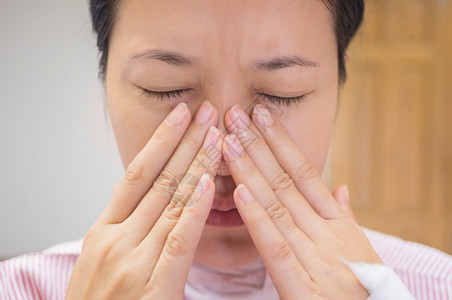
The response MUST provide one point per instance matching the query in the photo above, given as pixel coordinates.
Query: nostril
(223, 168)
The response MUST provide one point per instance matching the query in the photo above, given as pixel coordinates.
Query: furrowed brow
(170, 57)
(281, 62)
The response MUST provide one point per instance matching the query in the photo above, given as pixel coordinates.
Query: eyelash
(271, 98)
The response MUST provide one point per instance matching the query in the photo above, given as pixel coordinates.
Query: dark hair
(346, 15)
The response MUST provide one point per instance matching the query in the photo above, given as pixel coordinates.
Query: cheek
(132, 126)
(311, 128)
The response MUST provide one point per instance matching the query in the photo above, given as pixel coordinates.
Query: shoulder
(39, 275)
(426, 271)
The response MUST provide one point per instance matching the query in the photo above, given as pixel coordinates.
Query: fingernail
(201, 188)
(262, 115)
(346, 193)
(212, 137)
(177, 115)
(203, 183)
(204, 112)
(244, 194)
(238, 117)
(234, 145)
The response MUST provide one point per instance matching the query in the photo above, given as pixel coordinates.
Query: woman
(228, 204)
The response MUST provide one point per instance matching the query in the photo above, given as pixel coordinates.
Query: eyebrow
(281, 62)
(271, 64)
(170, 57)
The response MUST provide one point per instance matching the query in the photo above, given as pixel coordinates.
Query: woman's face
(235, 51)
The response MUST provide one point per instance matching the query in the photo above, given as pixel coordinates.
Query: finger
(156, 201)
(245, 172)
(185, 196)
(158, 196)
(342, 197)
(302, 172)
(171, 270)
(142, 171)
(286, 272)
(280, 182)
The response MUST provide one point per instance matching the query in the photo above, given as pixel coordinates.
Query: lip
(229, 218)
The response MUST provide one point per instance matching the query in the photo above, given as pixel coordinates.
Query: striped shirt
(426, 272)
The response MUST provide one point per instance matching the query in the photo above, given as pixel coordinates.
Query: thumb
(342, 197)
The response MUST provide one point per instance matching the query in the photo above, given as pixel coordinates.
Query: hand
(143, 244)
(300, 231)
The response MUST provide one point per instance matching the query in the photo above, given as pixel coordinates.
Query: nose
(223, 99)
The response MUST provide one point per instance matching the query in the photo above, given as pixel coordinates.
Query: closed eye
(287, 101)
(163, 95)
(168, 95)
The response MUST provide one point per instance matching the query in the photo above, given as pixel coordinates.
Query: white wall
(58, 156)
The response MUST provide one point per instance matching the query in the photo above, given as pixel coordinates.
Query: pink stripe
(57, 277)
(418, 287)
(24, 278)
(15, 289)
(430, 267)
(434, 278)
(50, 267)
(411, 283)
(423, 278)
(403, 265)
(427, 273)
(33, 267)
(441, 274)
(20, 283)
(36, 276)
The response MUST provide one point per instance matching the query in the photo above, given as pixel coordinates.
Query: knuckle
(104, 251)
(160, 139)
(172, 212)
(314, 291)
(123, 276)
(281, 182)
(110, 244)
(190, 139)
(280, 250)
(165, 180)
(91, 234)
(134, 173)
(277, 211)
(126, 277)
(257, 144)
(177, 244)
(249, 172)
(257, 219)
(305, 172)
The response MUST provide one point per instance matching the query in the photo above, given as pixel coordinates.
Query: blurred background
(393, 140)
(58, 156)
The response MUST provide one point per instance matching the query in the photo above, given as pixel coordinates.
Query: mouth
(224, 213)
(229, 218)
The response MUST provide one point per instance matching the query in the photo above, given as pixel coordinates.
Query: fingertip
(205, 181)
(346, 193)
(243, 194)
(340, 194)
(207, 188)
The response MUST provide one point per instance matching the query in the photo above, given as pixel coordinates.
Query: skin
(145, 241)
(237, 33)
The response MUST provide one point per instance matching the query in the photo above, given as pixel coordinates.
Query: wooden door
(393, 138)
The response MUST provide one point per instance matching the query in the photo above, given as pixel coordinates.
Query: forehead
(225, 30)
